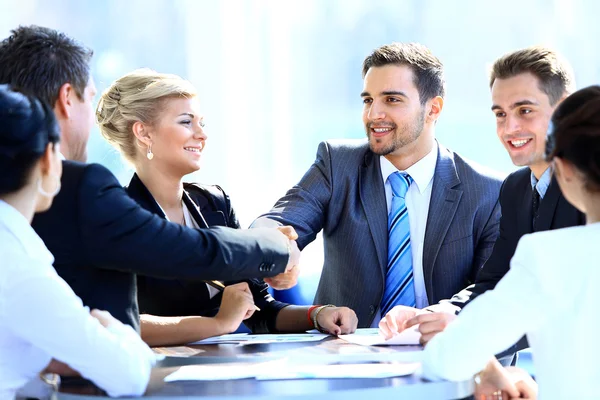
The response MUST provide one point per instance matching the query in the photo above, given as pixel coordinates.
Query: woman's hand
(237, 305)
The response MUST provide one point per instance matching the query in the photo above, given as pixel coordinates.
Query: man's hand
(288, 231)
(289, 278)
(337, 320)
(430, 324)
(237, 305)
(395, 320)
(285, 280)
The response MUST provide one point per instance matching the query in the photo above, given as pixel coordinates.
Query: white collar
(421, 172)
(15, 223)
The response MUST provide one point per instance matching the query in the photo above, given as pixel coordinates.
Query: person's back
(564, 339)
(42, 319)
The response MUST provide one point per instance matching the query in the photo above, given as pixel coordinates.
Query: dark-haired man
(441, 210)
(100, 237)
(527, 85)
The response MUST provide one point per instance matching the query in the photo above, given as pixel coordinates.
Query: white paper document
(371, 337)
(216, 372)
(282, 369)
(244, 338)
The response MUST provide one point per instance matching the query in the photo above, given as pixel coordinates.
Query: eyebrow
(386, 93)
(187, 114)
(517, 104)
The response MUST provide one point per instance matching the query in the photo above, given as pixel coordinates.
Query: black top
(101, 238)
(183, 297)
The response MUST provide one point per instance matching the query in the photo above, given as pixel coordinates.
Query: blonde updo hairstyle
(137, 96)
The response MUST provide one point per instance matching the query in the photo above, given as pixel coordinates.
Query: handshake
(289, 278)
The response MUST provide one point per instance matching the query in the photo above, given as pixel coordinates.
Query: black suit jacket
(554, 212)
(101, 238)
(208, 205)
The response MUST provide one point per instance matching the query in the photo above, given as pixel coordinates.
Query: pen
(220, 287)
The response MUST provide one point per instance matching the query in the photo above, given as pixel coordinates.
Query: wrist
(310, 314)
(219, 326)
(316, 313)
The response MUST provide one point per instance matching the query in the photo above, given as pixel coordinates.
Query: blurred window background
(277, 77)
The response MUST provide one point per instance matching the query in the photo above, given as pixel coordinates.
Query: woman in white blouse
(43, 324)
(550, 292)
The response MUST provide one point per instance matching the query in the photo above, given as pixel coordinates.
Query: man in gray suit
(451, 205)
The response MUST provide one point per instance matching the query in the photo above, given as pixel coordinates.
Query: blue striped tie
(399, 282)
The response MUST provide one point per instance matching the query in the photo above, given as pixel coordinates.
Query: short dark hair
(38, 61)
(554, 73)
(427, 69)
(27, 126)
(574, 134)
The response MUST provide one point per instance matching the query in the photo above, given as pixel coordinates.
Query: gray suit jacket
(343, 194)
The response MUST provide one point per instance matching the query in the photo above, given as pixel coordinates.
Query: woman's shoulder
(213, 194)
(573, 247)
(204, 189)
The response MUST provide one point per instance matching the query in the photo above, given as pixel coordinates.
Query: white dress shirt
(551, 294)
(41, 318)
(417, 201)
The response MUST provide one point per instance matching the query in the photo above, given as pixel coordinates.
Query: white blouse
(550, 294)
(41, 318)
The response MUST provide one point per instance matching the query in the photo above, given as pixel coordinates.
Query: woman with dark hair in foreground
(43, 324)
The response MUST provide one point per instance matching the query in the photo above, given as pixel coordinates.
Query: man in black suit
(527, 85)
(99, 236)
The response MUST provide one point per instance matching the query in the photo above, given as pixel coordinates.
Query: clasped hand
(289, 278)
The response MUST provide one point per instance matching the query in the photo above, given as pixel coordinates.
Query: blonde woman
(155, 121)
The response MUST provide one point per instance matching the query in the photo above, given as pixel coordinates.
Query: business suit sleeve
(498, 263)
(305, 205)
(119, 234)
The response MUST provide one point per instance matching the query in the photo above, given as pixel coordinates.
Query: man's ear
(435, 108)
(64, 102)
(141, 132)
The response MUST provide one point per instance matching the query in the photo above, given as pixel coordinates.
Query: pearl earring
(149, 154)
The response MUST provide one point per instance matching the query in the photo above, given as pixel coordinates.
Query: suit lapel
(211, 213)
(442, 207)
(525, 208)
(194, 210)
(372, 197)
(548, 207)
(140, 193)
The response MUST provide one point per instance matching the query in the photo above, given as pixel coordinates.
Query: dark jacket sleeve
(118, 234)
(263, 321)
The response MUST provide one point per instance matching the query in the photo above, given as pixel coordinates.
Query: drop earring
(150, 154)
